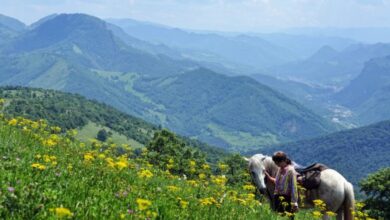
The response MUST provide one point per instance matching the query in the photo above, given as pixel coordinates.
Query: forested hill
(355, 153)
(71, 111)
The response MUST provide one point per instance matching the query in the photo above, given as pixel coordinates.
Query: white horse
(336, 192)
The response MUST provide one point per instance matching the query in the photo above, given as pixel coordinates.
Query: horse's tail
(349, 201)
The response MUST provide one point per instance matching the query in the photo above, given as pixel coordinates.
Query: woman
(286, 190)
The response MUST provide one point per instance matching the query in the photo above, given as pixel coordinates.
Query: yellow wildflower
(202, 176)
(219, 180)
(249, 187)
(110, 162)
(242, 201)
(318, 202)
(359, 205)
(317, 214)
(330, 214)
(192, 182)
(121, 164)
(250, 196)
(173, 188)
(38, 166)
(46, 158)
(205, 166)
(207, 201)
(13, 122)
(88, 157)
(62, 212)
(143, 204)
(145, 173)
(49, 142)
(151, 214)
(183, 204)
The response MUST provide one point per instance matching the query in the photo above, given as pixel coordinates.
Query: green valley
(86, 58)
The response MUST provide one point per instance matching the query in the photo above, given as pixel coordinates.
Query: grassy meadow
(46, 173)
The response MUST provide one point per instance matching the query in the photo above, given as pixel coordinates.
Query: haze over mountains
(85, 57)
(321, 65)
(331, 67)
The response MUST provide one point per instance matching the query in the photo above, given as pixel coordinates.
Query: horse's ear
(246, 159)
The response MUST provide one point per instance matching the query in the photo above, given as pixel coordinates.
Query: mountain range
(241, 53)
(81, 54)
(322, 65)
(331, 67)
(369, 93)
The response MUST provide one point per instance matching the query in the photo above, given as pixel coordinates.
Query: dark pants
(283, 204)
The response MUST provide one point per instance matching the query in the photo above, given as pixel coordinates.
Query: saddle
(310, 177)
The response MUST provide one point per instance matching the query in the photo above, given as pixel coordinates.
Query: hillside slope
(71, 111)
(368, 94)
(47, 175)
(235, 111)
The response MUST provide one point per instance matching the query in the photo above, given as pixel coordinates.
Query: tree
(237, 171)
(167, 149)
(377, 188)
(102, 135)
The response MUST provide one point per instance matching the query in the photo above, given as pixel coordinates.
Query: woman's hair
(280, 156)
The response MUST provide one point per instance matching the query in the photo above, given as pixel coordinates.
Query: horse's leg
(340, 213)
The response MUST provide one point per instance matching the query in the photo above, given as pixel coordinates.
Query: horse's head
(257, 167)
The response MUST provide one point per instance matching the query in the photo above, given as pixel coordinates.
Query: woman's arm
(270, 178)
(294, 188)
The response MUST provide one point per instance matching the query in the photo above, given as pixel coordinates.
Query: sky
(221, 15)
